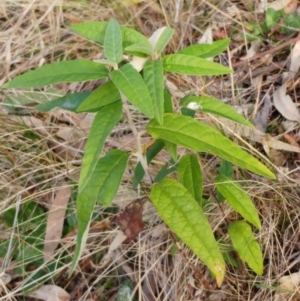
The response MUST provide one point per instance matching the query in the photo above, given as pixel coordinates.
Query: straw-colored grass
(40, 153)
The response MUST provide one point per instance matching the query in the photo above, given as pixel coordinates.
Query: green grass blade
(61, 72)
(104, 95)
(206, 50)
(192, 65)
(183, 215)
(113, 42)
(70, 102)
(238, 199)
(188, 132)
(246, 245)
(132, 85)
(154, 79)
(102, 186)
(190, 176)
(102, 126)
(214, 106)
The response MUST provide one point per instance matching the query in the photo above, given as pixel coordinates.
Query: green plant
(179, 203)
(288, 24)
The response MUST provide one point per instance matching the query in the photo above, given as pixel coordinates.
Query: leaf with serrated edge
(188, 132)
(105, 94)
(214, 106)
(102, 186)
(154, 80)
(61, 72)
(206, 50)
(183, 215)
(102, 126)
(238, 199)
(190, 176)
(246, 245)
(192, 65)
(113, 42)
(132, 85)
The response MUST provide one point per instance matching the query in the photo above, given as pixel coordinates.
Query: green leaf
(113, 42)
(191, 65)
(154, 80)
(109, 175)
(103, 124)
(206, 50)
(214, 106)
(163, 40)
(102, 186)
(246, 245)
(183, 215)
(104, 95)
(95, 31)
(226, 169)
(61, 72)
(272, 17)
(188, 132)
(238, 199)
(132, 85)
(172, 148)
(70, 101)
(168, 104)
(190, 176)
(151, 153)
(21, 102)
(139, 48)
(169, 168)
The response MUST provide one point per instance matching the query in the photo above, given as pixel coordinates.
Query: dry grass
(40, 153)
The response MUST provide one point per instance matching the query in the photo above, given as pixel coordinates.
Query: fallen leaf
(55, 221)
(130, 220)
(50, 293)
(289, 284)
(295, 63)
(284, 104)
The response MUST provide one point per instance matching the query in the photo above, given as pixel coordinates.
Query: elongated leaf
(139, 172)
(192, 134)
(95, 31)
(214, 106)
(206, 50)
(139, 48)
(183, 215)
(109, 175)
(70, 101)
(154, 79)
(192, 65)
(131, 84)
(168, 104)
(103, 124)
(61, 72)
(169, 168)
(102, 186)
(163, 40)
(172, 148)
(113, 42)
(246, 245)
(190, 176)
(238, 199)
(104, 95)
